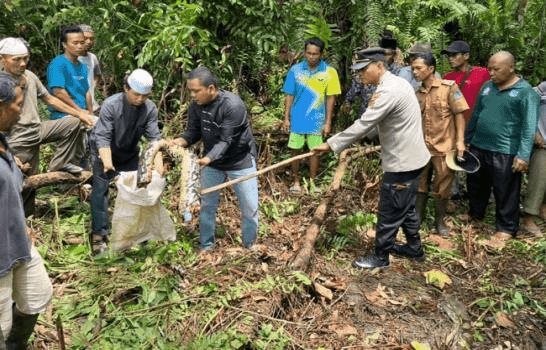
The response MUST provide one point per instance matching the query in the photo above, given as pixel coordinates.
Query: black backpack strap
(461, 84)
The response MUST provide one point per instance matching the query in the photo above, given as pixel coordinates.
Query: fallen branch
(301, 260)
(53, 178)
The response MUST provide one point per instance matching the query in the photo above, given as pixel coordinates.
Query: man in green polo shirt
(501, 134)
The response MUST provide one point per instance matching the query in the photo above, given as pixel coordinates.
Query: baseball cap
(13, 46)
(140, 81)
(420, 48)
(367, 56)
(470, 163)
(456, 47)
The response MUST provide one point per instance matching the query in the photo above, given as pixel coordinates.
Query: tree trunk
(301, 260)
(53, 178)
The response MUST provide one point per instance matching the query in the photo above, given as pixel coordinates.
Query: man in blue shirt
(310, 88)
(67, 77)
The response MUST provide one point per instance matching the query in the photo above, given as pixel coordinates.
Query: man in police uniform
(442, 106)
(395, 111)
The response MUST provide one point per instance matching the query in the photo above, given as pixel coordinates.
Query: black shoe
(370, 262)
(407, 252)
(98, 245)
(72, 169)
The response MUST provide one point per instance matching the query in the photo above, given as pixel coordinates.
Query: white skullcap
(13, 46)
(140, 81)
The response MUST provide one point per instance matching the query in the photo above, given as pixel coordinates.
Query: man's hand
(31, 234)
(324, 147)
(24, 167)
(105, 155)
(539, 141)
(460, 150)
(177, 142)
(326, 130)
(203, 162)
(519, 165)
(286, 125)
(87, 119)
(346, 108)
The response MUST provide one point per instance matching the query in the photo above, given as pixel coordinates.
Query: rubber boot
(21, 329)
(421, 205)
(439, 218)
(413, 248)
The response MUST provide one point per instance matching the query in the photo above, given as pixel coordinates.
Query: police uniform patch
(485, 91)
(374, 98)
(457, 95)
(448, 82)
(513, 93)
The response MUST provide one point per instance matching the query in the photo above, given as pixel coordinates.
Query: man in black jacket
(219, 118)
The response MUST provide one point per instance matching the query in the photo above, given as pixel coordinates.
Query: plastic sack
(138, 213)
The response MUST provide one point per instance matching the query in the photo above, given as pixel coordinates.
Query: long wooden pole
(257, 173)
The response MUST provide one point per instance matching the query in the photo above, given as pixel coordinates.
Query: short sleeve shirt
(27, 128)
(472, 86)
(93, 70)
(310, 88)
(64, 74)
(439, 105)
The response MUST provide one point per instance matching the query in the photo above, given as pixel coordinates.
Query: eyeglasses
(453, 54)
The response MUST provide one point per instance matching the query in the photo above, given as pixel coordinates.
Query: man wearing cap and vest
(442, 106)
(501, 133)
(311, 87)
(365, 92)
(88, 58)
(30, 132)
(395, 110)
(124, 118)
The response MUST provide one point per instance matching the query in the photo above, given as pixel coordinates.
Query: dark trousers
(495, 173)
(100, 224)
(397, 209)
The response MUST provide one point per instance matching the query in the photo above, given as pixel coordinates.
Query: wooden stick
(259, 172)
(60, 332)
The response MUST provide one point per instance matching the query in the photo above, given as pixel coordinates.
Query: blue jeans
(100, 224)
(247, 194)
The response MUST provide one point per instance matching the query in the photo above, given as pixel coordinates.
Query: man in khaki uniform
(442, 106)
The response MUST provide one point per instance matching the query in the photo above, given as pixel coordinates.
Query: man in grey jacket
(394, 109)
(114, 143)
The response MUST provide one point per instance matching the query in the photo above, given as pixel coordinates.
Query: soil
(387, 308)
